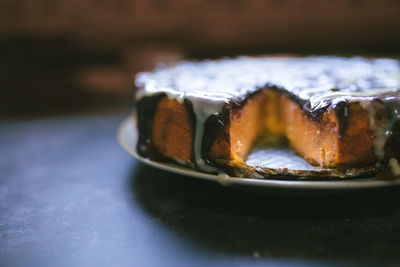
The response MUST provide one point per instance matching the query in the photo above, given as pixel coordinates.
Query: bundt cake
(337, 113)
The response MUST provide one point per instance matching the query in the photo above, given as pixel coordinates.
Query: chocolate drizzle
(192, 124)
(343, 115)
(213, 126)
(146, 107)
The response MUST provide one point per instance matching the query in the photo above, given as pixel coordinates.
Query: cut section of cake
(337, 113)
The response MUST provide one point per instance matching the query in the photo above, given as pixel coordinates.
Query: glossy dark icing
(213, 126)
(343, 114)
(192, 122)
(212, 88)
(146, 109)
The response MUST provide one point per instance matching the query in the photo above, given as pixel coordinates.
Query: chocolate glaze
(192, 123)
(343, 114)
(146, 108)
(212, 89)
(213, 126)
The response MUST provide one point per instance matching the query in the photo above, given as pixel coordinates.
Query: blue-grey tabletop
(70, 196)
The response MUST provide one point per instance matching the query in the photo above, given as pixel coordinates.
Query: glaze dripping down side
(146, 108)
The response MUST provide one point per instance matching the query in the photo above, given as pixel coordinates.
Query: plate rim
(356, 183)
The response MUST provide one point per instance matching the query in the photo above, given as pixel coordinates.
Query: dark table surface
(70, 196)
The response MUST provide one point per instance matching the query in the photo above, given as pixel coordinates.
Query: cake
(337, 113)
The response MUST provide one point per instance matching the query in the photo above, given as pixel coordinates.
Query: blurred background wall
(67, 54)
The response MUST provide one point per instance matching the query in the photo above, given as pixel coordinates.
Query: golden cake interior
(269, 112)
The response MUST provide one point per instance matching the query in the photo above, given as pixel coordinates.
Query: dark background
(67, 55)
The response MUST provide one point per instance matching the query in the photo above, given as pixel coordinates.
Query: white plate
(127, 136)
